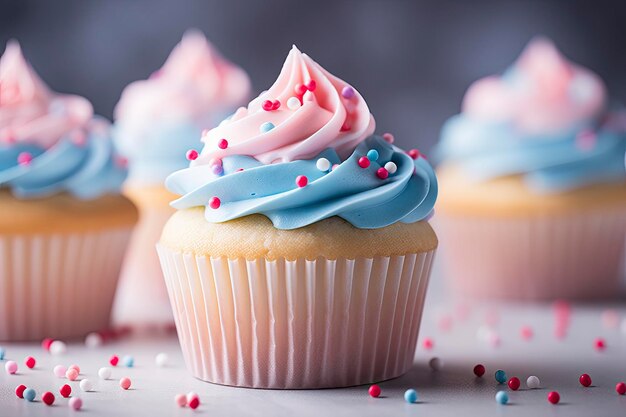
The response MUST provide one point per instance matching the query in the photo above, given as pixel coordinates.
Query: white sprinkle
(93, 340)
(323, 164)
(293, 103)
(391, 167)
(104, 372)
(58, 347)
(533, 382)
(86, 385)
(161, 360)
(435, 363)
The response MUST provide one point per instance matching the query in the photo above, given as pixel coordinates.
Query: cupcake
(303, 261)
(157, 121)
(534, 187)
(64, 225)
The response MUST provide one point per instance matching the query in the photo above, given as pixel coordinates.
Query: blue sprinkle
(372, 154)
(502, 397)
(266, 127)
(410, 396)
(129, 362)
(500, 376)
(2, 353)
(29, 394)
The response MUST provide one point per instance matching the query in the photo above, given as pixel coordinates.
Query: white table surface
(453, 391)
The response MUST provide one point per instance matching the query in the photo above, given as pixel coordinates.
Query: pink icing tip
(364, 162)
(382, 173)
(222, 144)
(215, 203)
(414, 153)
(388, 137)
(192, 155)
(302, 181)
(24, 158)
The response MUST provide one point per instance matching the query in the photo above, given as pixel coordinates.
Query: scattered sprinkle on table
(86, 385)
(181, 400)
(105, 372)
(599, 344)
(374, 391)
(30, 362)
(125, 383)
(48, 398)
(502, 397)
(19, 390)
(500, 376)
(75, 403)
(11, 367)
(71, 374)
(30, 394)
(129, 361)
(514, 383)
(620, 388)
(58, 347)
(585, 380)
(479, 370)
(59, 371)
(410, 396)
(533, 382)
(554, 397)
(113, 360)
(161, 359)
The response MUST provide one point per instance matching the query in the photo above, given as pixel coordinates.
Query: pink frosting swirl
(194, 83)
(542, 93)
(29, 111)
(328, 113)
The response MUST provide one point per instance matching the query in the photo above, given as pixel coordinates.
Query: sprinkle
(215, 161)
(76, 367)
(190, 396)
(215, 203)
(113, 360)
(554, 397)
(500, 376)
(94, 340)
(86, 385)
(347, 92)
(239, 170)
(58, 347)
(266, 127)
(585, 380)
(194, 403)
(514, 383)
(2, 353)
(334, 167)
(30, 394)
(71, 374)
(599, 344)
(75, 403)
(428, 343)
(191, 155)
(372, 154)
(161, 360)
(323, 164)
(105, 372)
(293, 103)
(217, 169)
(19, 391)
(620, 388)
(502, 397)
(479, 370)
(11, 367)
(222, 144)
(48, 398)
(526, 332)
(391, 167)
(275, 105)
(125, 383)
(45, 343)
(414, 153)
(65, 391)
(30, 362)
(267, 105)
(435, 363)
(180, 400)
(374, 391)
(311, 85)
(364, 162)
(24, 158)
(610, 319)
(299, 89)
(388, 137)
(410, 396)
(129, 361)
(59, 371)
(302, 181)
(533, 382)
(382, 173)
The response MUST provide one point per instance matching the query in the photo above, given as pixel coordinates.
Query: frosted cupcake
(64, 226)
(303, 261)
(534, 188)
(157, 121)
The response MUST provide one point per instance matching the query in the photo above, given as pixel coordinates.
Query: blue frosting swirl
(348, 191)
(85, 170)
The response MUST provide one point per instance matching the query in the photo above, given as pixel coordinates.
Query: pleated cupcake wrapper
(296, 324)
(141, 298)
(58, 285)
(577, 256)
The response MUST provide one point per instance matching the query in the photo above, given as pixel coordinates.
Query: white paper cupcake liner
(296, 324)
(58, 285)
(578, 256)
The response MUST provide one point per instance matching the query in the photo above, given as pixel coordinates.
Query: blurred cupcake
(534, 187)
(303, 261)
(64, 226)
(157, 121)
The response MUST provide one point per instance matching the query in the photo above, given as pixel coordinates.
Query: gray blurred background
(411, 60)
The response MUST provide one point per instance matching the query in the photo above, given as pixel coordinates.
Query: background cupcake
(64, 226)
(534, 188)
(157, 121)
(302, 262)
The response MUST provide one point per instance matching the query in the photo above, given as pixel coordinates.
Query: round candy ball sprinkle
(479, 370)
(30, 362)
(113, 360)
(24, 158)
(414, 153)
(86, 385)
(391, 167)
(301, 181)
(191, 155)
(65, 391)
(389, 138)
(323, 164)
(180, 400)
(11, 367)
(266, 127)
(374, 391)
(428, 343)
(214, 203)
(585, 380)
(45, 344)
(217, 169)
(19, 390)
(75, 403)
(129, 361)
(299, 89)
(104, 372)
(71, 374)
(293, 103)
(191, 395)
(620, 388)
(410, 396)
(194, 403)
(94, 340)
(161, 359)
(125, 383)
(502, 397)
(599, 344)
(435, 364)
(526, 332)
(30, 394)
(222, 144)
(215, 161)
(2, 353)
(267, 105)
(48, 398)
(311, 85)
(533, 382)
(514, 383)
(382, 173)
(58, 347)
(363, 162)
(500, 376)
(554, 397)
(372, 154)
(347, 92)
(59, 371)
(74, 367)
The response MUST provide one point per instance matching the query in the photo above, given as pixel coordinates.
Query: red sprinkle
(514, 383)
(48, 398)
(554, 397)
(585, 380)
(192, 155)
(24, 158)
(620, 388)
(382, 173)
(267, 105)
(364, 162)
(300, 89)
(599, 344)
(414, 153)
(479, 370)
(301, 181)
(65, 391)
(19, 391)
(311, 85)
(45, 344)
(114, 360)
(215, 203)
(275, 105)
(222, 144)
(374, 391)
(30, 362)
(428, 343)
(194, 403)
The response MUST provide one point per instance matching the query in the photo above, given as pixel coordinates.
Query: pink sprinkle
(599, 344)
(45, 344)
(526, 332)
(215, 203)
(24, 158)
(11, 367)
(389, 137)
(275, 105)
(414, 153)
(125, 383)
(311, 85)
(222, 144)
(74, 367)
(192, 155)
(113, 360)
(30, 362)
(300, 89)
(586, 140)
(364, 162)
(382, 173)
(75, 403)
(217, 169)
(181, 400)
(215, 161)
(267, 105)
(71, 374)
(347, 92)
(194, 403)
(301, 181)
(428, 343)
